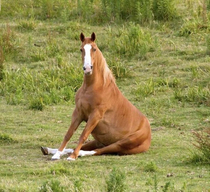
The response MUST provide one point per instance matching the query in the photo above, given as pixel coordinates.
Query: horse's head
(88, 50)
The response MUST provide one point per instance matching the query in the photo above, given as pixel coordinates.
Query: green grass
(161, 66)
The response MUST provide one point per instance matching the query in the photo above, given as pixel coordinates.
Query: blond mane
(107, 73)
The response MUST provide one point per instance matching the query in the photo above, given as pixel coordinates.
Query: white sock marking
(86, 153)
(57, 154)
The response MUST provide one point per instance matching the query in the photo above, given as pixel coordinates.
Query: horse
(116, 125)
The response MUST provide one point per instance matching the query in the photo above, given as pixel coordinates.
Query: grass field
(161, 66)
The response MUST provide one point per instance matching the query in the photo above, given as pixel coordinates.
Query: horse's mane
(107, 73)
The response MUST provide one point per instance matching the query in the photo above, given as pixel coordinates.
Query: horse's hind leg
(91, 145)
(135, 143)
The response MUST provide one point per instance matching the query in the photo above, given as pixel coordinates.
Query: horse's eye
(81, 50)
(94, 49)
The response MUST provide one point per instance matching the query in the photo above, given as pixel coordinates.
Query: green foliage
(27, 25)
(52, 185)
(6, 139)
(38, 9)
(40, 66)
(78, 186)
(208, 45)
(37, 89)
(164, 10)
(196, 94)
(151, 167)
(152, 87)
(94, 11)
(1, 63)
(132, 41)
(116, 181)
(7, 42)
(59, 168)
(118, 67)
(36, 103)
(192, 26)
(203, 146)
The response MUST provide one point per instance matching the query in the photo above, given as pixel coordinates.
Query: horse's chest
(85, 105)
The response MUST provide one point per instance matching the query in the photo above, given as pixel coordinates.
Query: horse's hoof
(44, 150)
(70, 159)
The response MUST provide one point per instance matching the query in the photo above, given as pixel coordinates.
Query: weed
(6, 139)
(203, 145)
(52, 185)
(116, 181)
(132, 41)
(164, 10)
(166, 187)
(145, 89)
(7, 41)
(191, 26)
(1, 63)
(36, 103)
(27, 25)
(78, 186)
(196, 94)
(155, 183)
(208, 45)
(49, 86)
(174, 83)
(151, 167)
(118, 67)
(59, 168)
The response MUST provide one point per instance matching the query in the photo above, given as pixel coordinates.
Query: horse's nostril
(84, 68)
(91, 67)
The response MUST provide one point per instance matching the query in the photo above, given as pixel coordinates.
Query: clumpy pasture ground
(162, 67)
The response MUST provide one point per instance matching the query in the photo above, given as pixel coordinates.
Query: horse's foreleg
(76, 120)
(91, 124)
(50, 151)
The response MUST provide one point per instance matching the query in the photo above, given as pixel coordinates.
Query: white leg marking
(82, 154)
(57, 154)
(70, 159)
(53, 151)
(86, 153)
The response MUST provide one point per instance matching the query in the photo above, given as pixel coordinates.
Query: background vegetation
(159, 52)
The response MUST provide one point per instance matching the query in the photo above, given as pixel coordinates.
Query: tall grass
(202, 144)
(132, 41)
(7, 42)
(116, 181)
(196, 94)
(1, 63)
(37, 89)
(208, 45)
(164, 10)
(94, 11)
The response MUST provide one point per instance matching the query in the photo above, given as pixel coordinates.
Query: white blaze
(87, 59)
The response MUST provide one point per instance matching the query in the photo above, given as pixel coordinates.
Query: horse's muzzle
(88, 70)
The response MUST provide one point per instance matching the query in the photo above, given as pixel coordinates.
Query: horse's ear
(82, 37)
(93, 37)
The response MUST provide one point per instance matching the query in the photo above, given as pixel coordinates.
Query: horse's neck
(98, 79)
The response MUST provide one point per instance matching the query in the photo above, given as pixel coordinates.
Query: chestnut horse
(116, 125)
